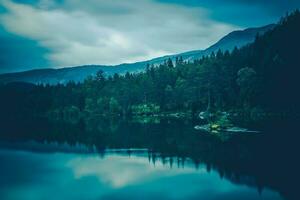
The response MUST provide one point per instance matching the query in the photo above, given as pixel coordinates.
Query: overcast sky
(58, 33)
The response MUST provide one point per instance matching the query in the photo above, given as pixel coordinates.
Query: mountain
(79, 73)
(64, 75)
(229, 42)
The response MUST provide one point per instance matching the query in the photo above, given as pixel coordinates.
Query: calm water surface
(178, 162)
(32, 175)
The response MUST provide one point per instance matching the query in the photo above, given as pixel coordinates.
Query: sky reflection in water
(28, 175)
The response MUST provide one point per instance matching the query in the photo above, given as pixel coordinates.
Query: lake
(165, 159)
(33, 175)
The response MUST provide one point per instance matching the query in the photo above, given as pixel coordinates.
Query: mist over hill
(79, 73)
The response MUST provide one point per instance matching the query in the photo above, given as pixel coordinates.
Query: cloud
(135, 169)
(244, 13)
(111, 32)
(18, 53)
(273, 6)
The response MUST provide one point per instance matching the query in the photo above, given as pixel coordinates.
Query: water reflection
(114, 176)
(260, 162)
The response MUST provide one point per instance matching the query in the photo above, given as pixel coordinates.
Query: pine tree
(170, 63)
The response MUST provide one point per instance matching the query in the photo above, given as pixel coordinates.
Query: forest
(258, 81)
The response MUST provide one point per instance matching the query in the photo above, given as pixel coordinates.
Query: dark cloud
(37, 33)
(18, 53)
(243, 12)
(111, 32)
(267, 4)
(26, 1)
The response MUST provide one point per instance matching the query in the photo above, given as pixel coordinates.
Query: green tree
(246, 80)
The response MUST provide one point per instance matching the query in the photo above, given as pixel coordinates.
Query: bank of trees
(261, 76)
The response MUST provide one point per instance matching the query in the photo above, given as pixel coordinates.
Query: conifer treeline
(260, 77)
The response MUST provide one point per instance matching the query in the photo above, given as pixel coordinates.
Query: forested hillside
(256, 80)
(80, 73)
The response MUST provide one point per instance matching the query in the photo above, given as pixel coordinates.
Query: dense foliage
(262, 77)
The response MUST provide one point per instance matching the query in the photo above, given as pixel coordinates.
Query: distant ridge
(80, 73)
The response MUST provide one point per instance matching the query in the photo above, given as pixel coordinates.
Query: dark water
(173, 161)
(47, 176)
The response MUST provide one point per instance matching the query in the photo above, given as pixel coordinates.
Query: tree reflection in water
(259, 160)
